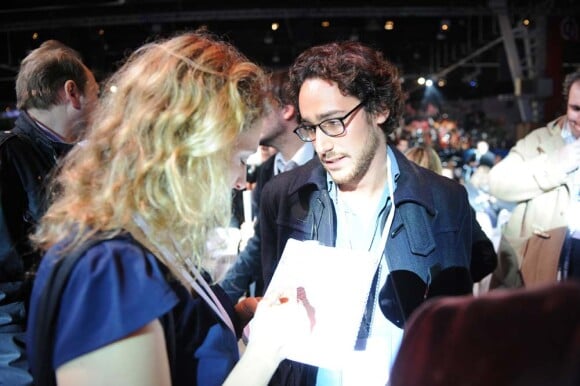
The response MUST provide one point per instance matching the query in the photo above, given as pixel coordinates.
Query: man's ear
(381, 118)
(288, 112)
(72, 94)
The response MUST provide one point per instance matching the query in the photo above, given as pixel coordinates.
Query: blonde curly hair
(160, 147)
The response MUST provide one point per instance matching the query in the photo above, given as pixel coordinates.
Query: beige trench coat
(532, 239)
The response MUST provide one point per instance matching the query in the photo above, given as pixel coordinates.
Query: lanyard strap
(196, 281)
(366, 321)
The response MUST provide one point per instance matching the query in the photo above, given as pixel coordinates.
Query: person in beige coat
(541, 174)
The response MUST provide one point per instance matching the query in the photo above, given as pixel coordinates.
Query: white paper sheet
(337, 283)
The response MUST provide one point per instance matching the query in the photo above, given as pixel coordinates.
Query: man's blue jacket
(435, 246)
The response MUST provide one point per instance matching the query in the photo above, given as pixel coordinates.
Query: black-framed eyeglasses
(333, 127)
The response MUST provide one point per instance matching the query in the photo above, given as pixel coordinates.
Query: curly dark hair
(358, 70)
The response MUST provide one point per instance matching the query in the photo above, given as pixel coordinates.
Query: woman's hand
(245, 309)
(278, 321)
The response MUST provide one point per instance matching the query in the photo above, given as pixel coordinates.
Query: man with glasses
(349, 99)
(332, 127)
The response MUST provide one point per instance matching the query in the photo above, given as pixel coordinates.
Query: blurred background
(487, 68)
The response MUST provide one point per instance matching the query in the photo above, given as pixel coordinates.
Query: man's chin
(340, 176)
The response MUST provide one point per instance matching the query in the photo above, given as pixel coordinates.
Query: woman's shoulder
(96, 255)
(116, 287)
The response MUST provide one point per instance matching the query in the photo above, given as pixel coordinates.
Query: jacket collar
(413, 184)
(27, 127)
(555, 126)
(311, 173)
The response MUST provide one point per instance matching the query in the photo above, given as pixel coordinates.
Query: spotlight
(389, 25)
(428, 83)
(421, 80)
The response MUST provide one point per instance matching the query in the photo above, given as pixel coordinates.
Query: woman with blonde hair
(136, 204)
(425, 156)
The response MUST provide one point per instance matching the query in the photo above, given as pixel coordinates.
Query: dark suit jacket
(431, 240)
(247, 268)
(265, 174)
(27, 160)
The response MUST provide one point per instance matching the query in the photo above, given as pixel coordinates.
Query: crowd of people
(108, 204)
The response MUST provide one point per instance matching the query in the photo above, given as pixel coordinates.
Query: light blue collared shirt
(303, 155)
(357, 233)
(372, 365)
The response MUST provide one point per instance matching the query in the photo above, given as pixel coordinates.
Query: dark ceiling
(471, 49)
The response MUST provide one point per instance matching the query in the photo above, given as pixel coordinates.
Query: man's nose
(323, 142)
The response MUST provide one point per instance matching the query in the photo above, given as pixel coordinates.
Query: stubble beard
(360, 165)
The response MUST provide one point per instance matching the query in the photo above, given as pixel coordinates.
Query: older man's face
(573, 109)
